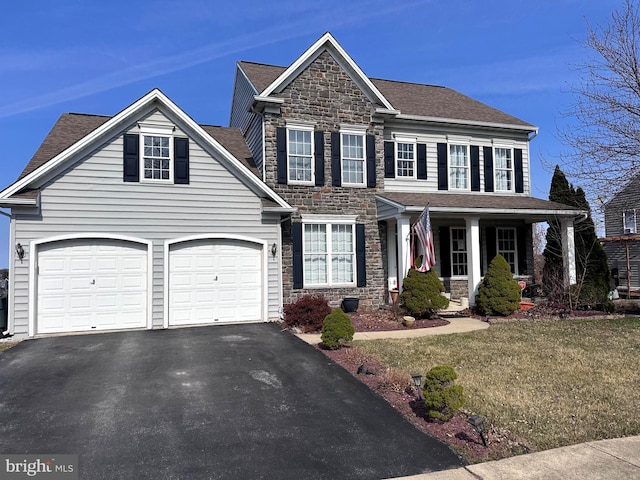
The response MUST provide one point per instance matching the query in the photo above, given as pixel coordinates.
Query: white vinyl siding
(90, 196)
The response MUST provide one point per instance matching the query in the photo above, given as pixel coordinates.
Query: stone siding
(325, 95)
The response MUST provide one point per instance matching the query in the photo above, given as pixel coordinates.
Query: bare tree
(604, 139)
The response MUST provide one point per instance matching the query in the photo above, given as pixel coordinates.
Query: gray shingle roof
(72, 127)
(466, 200)
(409, 98)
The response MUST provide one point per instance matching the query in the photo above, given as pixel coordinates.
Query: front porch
(468, 232)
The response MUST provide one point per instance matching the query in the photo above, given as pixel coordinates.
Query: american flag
(422, 228)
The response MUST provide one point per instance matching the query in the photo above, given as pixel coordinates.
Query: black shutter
(131, 159)
(371, 161)
(475, 168)
(296, 234)
(488, 170)
(319, 157)
(361, 263)
(281, 148)
(445, 251)
(422, 161)
(443, 180)
(519, 174)
(491, 244)
(521, 243)
(181, 160)
(336, 171)
(389, 159)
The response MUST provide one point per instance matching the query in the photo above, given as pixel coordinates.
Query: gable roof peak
(327, 43)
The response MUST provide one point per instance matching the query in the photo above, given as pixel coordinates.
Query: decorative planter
(350, 304)
(395, 294)
(526, 305)
(408, 321)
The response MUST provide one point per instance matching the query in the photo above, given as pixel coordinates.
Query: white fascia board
(501, 211)
(279, 210)
(326, 41)
(124, 115)
(473, 123)
(18, 202)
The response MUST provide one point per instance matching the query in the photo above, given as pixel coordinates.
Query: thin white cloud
(337, 16)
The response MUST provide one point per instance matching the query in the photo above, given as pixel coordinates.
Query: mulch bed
(457, 432)
(384, 320)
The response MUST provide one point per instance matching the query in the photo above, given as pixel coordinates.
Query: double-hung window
(629, 221)
(300, 154)
(458, 251)
(458, 167)
(506, 238)
(156, 158)
(329, 253)
(405, 159)
(503, 168)
(353, 155)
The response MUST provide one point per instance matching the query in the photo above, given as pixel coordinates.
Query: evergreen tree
(593, 275)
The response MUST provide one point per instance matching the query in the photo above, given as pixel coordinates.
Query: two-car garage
(86, 284)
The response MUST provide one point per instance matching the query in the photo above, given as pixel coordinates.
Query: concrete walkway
(456, 325)
(613, 459)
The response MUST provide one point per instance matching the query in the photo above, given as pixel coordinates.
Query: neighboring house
(149, 220)
(622, 237)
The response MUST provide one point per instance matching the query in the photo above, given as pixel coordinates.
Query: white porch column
(568, 251)
(404, 245)
(473, 257)
(392, 260)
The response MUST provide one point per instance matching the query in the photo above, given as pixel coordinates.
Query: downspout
(7, 332)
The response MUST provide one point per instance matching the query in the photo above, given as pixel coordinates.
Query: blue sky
(99, 57)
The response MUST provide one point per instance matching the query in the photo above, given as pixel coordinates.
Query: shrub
(441, 397)
(337, 330)
(499, 293)
(421, 293)
(307, 313)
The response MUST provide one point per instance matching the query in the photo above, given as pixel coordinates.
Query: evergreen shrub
(337, 330)
(422, 293)
(307, 313)
(441, 396)
(498, 293)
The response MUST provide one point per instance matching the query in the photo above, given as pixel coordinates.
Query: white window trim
(451, 251)
(512, 169)
(468, 167)
(415, 158)
(307, 128)
(150, 130)
(515, 246)
(360, 131)
(329, 221)
(624, 222)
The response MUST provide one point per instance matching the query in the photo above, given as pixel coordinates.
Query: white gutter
(455, 121)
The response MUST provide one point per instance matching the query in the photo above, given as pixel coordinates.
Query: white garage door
(91, 285)
(215, 281)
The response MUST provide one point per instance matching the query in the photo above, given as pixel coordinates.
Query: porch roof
(482, 205)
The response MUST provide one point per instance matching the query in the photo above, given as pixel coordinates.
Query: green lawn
(551, 383)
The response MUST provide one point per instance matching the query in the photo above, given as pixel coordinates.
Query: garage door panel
(91, 284)
(217, 283)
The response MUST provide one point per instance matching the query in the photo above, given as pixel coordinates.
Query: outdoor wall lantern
(477, 422)
(20, 251)
(417, 382)
(274, 249)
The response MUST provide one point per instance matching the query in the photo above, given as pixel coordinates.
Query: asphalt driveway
(228, 402)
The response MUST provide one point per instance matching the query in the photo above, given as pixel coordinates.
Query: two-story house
(147, 219)
(622, 238)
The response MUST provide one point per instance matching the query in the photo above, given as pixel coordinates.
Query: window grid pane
(352, 158)
(405, 160)
(300, 157)
(156, 158)
(315, 254)
(458, 251)
(503, 169)
(458, 167)
(507, 246)
(342, 254)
